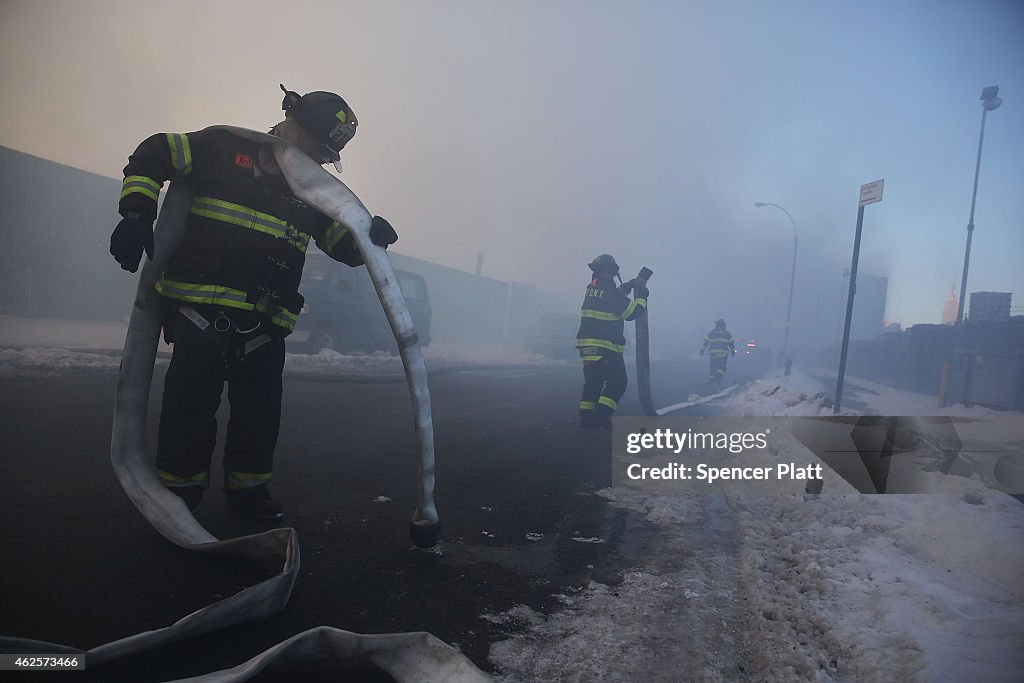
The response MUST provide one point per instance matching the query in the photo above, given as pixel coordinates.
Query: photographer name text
(703, 472)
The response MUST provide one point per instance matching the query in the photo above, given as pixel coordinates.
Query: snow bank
(812, 394)
(833, 587)
(35, 362)
(796, 395)
(328, 363)
(885, 587)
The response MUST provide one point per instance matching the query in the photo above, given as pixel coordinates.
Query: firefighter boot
(603, 416)
(254, 502)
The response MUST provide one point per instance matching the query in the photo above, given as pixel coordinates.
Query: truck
(342, 312)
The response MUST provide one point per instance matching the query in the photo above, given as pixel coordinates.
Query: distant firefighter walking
(601, 341)
(719, 345)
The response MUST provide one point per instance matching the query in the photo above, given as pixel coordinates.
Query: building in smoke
(949, 308)
(989, 307)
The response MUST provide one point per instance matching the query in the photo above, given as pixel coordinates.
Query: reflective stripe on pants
(604, 383)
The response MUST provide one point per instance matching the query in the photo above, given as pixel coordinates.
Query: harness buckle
(222, 323)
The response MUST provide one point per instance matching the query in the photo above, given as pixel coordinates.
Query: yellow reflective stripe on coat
(598, 315)
(243, 216)
(246, 480)
(601, 344)
(181, 154)
(285, 319)
(631, 308)
(334, 234)
(719, 353)
(281, 317)
(142, 185)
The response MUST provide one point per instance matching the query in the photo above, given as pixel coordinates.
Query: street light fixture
(990, 101)
(792, 279)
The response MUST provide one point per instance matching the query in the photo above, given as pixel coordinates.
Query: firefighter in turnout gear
(720, 345)
(601, 341)
(231, 287)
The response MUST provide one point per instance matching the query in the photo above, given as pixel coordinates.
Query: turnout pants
(604, 383)
(201, 362)
(718, 364)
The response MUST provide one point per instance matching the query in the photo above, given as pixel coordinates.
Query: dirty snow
(439, 357)
(36, 362)
(833, 587)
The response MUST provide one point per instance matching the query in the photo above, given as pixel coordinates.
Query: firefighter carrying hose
(720, 345)
(231, 288)
(601, 342)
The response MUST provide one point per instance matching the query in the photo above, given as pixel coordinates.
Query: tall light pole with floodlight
(792, 278)
(989, 102)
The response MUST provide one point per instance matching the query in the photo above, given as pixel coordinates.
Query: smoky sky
(546, 133)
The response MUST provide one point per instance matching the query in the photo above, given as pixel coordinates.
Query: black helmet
(604, 264)
(323, 115)
(720, 322)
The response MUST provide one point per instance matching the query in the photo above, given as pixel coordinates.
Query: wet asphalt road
(81, 567)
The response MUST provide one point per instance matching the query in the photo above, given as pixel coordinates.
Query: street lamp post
(989, 102)
(792, 278)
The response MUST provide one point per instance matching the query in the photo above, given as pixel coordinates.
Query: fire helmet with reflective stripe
(604, 264)
(325, 116)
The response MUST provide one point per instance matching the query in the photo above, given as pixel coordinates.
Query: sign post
(869, 194)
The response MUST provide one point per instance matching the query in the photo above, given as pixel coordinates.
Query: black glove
(640, 292)
(626, 287)
(129, 239)
(381, 232)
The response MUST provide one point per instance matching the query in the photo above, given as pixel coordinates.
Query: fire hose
(643, 350)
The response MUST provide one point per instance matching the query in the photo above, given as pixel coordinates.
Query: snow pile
(328, 363)
(797, 395)
(812, 394)
(885, 587)
(832, 587)
(885, 400)
(36, 362)
(840, 587)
